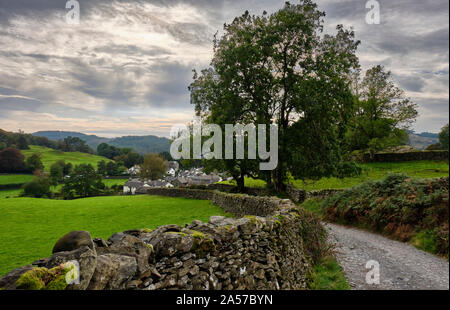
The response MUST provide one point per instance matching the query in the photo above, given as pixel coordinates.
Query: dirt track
(402, 266)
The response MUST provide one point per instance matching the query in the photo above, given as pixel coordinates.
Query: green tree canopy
(83, 182)
(382, 113)
(280, 69)
(34, 162)
(153, 168)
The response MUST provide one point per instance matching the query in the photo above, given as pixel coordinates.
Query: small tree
(11, 160)
(382, 115)
(82, 182)
(22, 142)
(68, 168)
(101, 168)
(57, 172)
(111, 168)
(443, 137)
(34, 163)
(131, 159)
(153, 168)
(39, 187)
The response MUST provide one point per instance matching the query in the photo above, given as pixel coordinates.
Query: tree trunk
(240, 184)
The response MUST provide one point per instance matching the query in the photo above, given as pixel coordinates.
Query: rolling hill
(421, 141)
(141, 144)
(49, 156)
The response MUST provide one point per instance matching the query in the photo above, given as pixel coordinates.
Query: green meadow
(371, 171)
(6, 179)
(30, 227)
(49, 156)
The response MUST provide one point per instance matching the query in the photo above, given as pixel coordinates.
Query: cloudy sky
(125, 68)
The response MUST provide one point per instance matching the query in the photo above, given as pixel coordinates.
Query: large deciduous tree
(382, 114)
(280, 69)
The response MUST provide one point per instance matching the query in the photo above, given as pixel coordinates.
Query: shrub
(34, 163)
(348, 169)
(399, 207)
(39, 187)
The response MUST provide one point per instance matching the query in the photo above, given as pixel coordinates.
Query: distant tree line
(127, 156)
(22, 141)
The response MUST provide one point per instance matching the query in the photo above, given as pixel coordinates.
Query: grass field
(15, 178)
(30, 227)
(11, 193)
(111, 182)
(49, 156)
(371, 171)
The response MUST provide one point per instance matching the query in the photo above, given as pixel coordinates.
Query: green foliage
(11, 160)
(130, 159)
(425, 240)
(272, 68)
(74, 144)
(112, 168)
(39, 187)
(381, 114)
(43, 279)
(328, 275)
(153, 168)
(348, 169)
(313, 205)
(82, 182)
(34, 163)
(397, 206)
(443, 137)
(101, 168)
(22, 140)
(108, 151)
(58, 170)
(31, 233)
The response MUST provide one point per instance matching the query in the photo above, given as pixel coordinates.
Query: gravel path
(402, 266)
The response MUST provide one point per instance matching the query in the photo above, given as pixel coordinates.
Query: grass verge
(328, 275)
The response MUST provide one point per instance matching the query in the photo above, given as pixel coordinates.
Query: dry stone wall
(408, 156)
(273, 247)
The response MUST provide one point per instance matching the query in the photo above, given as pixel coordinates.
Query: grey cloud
(411, 83)
(123, 75)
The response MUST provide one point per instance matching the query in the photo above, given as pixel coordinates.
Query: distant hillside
(141, 144)
(422, 140)
(50, 156)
